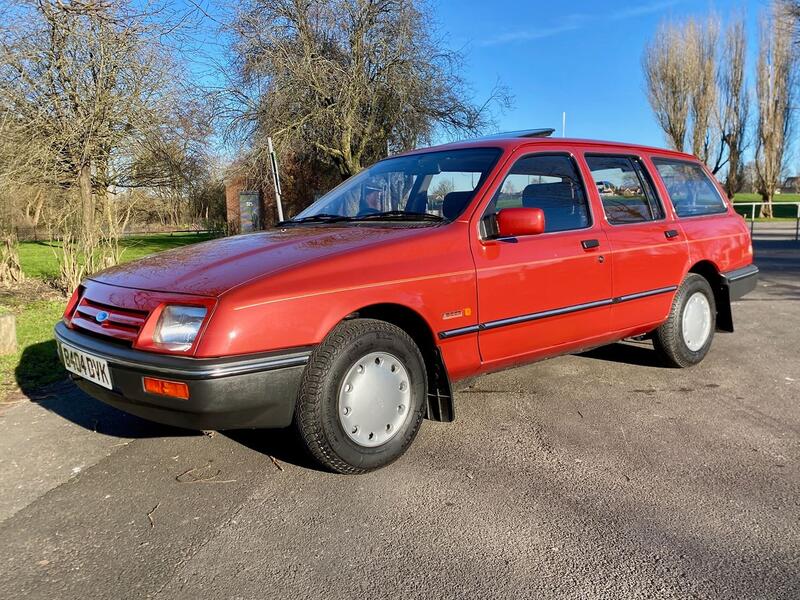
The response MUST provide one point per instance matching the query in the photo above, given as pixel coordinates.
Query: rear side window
(625, 188)
(550, 182)
(690, 190)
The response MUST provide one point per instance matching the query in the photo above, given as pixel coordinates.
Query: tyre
(685, 337)
(362, 396)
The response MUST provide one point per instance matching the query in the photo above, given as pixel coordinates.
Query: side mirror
(512, 222)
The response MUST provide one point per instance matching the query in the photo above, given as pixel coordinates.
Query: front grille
(122, 323)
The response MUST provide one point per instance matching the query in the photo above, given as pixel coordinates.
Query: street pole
(275, 177)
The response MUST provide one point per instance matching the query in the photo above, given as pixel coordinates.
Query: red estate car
(352, 320)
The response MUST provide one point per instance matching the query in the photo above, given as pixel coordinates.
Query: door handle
(589, 244)
(671, 233)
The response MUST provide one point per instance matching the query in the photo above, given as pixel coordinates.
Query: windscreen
(439, 184)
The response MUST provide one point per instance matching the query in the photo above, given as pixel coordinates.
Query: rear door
(649, 249)
(713, 230)
(539, 293)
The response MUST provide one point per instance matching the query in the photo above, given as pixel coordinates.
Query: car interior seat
(563, 204)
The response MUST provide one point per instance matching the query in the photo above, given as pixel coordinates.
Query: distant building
(791, 185)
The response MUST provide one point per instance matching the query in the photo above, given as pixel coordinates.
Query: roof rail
(523, 133)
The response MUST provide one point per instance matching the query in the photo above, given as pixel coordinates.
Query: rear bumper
(741, 281)
(255, 391)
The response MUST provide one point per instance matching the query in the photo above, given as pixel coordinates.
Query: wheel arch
(440, 396)
(709, 271)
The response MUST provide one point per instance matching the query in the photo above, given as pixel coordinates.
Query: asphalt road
(593, 476)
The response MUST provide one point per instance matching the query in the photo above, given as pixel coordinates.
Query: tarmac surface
(601, 475)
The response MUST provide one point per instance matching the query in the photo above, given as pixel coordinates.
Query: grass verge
(757, 198)
(35, 363)
(39, 259)
(37, 308)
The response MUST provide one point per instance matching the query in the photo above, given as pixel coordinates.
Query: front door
(545, 293)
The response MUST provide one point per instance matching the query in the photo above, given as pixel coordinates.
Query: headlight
(178, 327)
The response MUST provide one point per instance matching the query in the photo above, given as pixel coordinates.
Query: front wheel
(685, 338)
(362, 397)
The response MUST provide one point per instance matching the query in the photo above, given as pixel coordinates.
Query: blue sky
(581, 57)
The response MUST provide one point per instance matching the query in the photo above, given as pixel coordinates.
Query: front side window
(690, 190)
(625, 189)
(408, 187)
(550, 182)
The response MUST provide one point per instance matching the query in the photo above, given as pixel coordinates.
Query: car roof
(513, 140)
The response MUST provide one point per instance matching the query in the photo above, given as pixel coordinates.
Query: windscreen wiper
(399, 215)
(320, 218)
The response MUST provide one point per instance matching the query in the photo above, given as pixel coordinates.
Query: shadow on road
(631, 353)
(777, 256)
(70, 403)
(39, 364)
(281, 444)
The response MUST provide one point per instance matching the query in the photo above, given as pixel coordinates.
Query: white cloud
(577, 21)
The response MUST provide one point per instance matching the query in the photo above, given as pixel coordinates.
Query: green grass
(38, 259)
(757, 198)
(780, 210)
(36, 363)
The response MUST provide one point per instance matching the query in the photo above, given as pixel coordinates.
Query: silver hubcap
(374, 399)
(696, 322)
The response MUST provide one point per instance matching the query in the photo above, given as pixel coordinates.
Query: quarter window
(549, 182)
(625, 189)
(690, 189)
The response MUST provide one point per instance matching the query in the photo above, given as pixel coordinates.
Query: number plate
(85, 365)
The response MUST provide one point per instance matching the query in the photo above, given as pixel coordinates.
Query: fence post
(8, 334)
(752, 218)
(797, 224)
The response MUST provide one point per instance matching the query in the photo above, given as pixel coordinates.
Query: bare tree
(734, 104)
(90, 83)
(347, 79)
(444, 187)
(669, 82)
(776, 79)
(701, 43)
(696, 88)
(792, 8)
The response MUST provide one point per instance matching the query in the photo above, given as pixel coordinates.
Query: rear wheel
(686, 336)
(362, 398)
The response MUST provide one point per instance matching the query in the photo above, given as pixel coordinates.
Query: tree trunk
(766, 208)
(87, 203)
(88, 238)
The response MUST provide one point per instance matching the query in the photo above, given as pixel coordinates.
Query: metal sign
(249, 211)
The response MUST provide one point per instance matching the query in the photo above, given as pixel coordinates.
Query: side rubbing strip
(443, 335)
(544, 314)
(638, 295)
(450, 333)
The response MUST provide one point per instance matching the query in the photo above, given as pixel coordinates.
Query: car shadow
(65, 399)
(72, 404)
(632, 353)
(283, 445)
(39, 362)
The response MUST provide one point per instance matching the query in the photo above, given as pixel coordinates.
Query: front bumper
(254, 391)
(741, 281)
